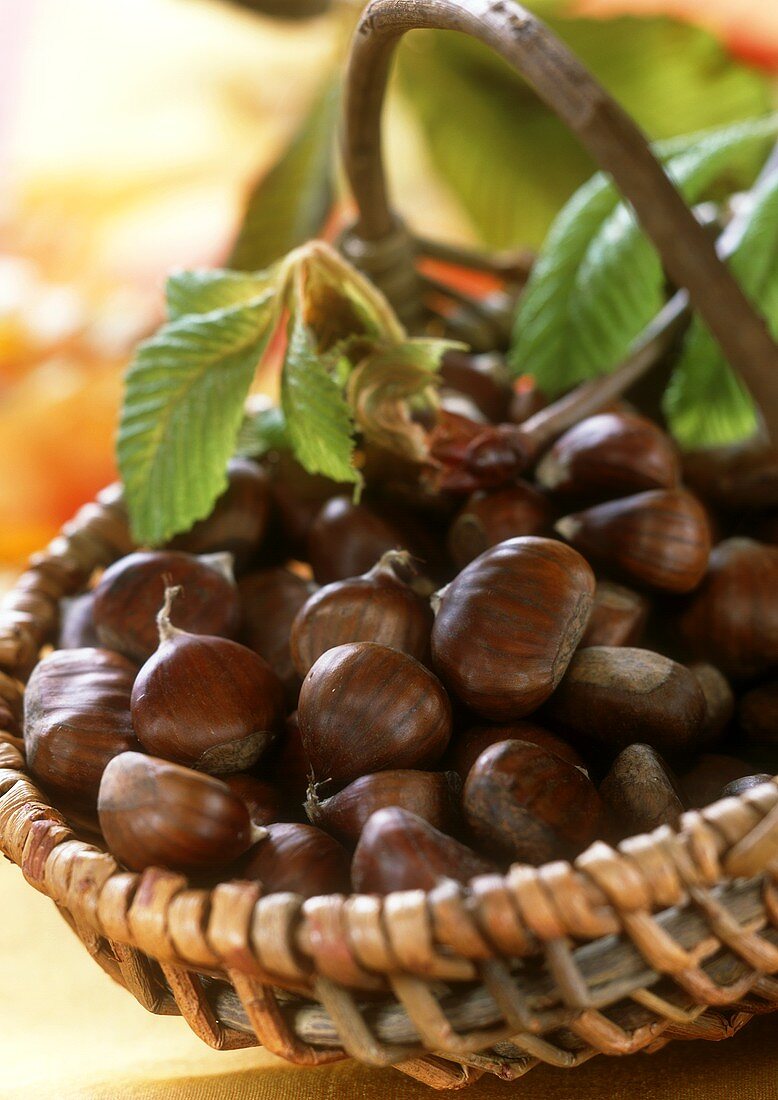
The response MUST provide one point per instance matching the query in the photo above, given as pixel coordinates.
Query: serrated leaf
(261, 432)
(204, 290)
(319, 422)
(387, 386)
(706, 404)
(509, 160)
(290, 204)
(599, 281)
(182, 410)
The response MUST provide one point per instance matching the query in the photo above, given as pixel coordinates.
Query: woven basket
(671, 935)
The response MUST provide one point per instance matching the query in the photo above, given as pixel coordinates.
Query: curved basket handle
(380, 245)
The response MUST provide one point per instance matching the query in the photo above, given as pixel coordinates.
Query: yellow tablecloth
(66, 1031)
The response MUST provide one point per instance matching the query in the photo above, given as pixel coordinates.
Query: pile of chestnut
(322, 696)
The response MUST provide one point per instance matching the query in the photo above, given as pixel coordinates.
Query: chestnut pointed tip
(550, 471)
(568, 527)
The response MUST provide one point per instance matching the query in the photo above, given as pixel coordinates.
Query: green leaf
(598, 281)
(202, 291)
(319, 422)
(509, 160)
(261, 432)
(706, 404)
(182, 410)
(290, 204)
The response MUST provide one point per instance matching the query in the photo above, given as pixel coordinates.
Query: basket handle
(379, 244)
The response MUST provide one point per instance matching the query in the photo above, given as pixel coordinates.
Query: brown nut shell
(131, 591)
(610, 455)
(618, 616)
(661, 539)
(615, 695)
(377, 607)
(433, 796)
(264, 803)
(347, 539)
(529, 803)
(271, 598)
(490, 517)
(732, 619)
(508, 625)
(641, 791)
(297, 858)
(157, 814)
(365, 707)
(76, 719)
(400, 851)
(466, 747)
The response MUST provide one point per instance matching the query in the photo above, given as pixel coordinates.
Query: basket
(668, 935)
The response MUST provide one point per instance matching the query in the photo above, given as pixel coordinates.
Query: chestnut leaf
(203, 290)
(183, 405)
(598, 280)
(706, 404)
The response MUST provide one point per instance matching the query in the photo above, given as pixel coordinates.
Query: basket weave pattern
(670, 935)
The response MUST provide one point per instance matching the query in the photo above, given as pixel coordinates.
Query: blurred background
(137, 136)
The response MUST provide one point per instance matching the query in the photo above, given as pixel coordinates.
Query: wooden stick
(602, 127)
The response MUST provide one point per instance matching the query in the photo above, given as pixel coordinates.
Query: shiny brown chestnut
(492, 516)
(264, 803)
(400, 851)
(483, 378)
(205, 701)
(466, 747)
(757, 714)
(239, 519)
(76, 719)
(612, 454)
(271, 598)
(618, 616)
(735, 477)
(614, 696)
(507, 626)
(433, 796)
(131, 591)
(530, 804)
(379, 606)
(745, 783)
(732, 619)
(297, 858)
(365, 708)
(157, 814)
(661, 538)
(347, 539)
(76, 623)
(640, 791)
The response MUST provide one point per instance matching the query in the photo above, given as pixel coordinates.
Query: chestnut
(288, 766)
(379, 606)
(270, 599)
(641, 791)
(746, 783)
(530, 804)
(76, 623)
(735, 477)
(615, 695)
(618, 616)
(347, 539)
(157, 814)
(610, 455)
(131, 592)
(483, 378)
(507, 626)
(297, 858)
(757, 714)
(732, 619)
(433, 796)
(263, 802)
(239, 519)
(365, 708)
(205, 701)
(466, 747)
(660, 538)
(76, 719)
(297, 498)
(492, 516)
(400, 851)
(719, 700)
